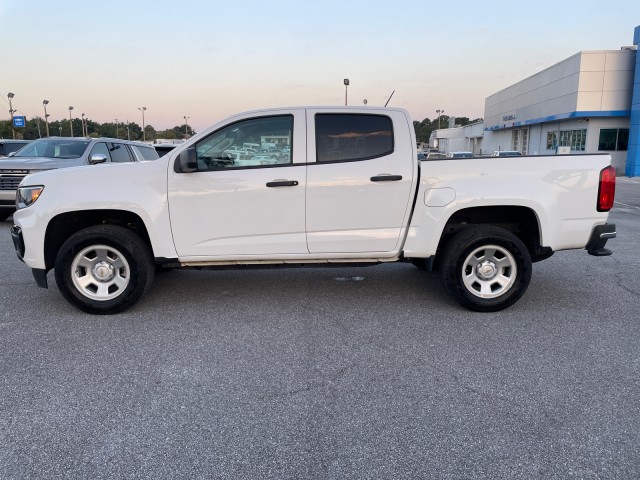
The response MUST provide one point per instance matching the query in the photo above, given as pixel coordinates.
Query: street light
(128, 134)
(144, 137)
(60, 130)
(346, 86)
(46, 115)
(11, 112)
(439, 112)
(117, 131)
(83, 130)
(186, 126)
(70, 121)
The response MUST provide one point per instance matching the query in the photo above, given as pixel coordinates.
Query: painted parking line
(625, 205)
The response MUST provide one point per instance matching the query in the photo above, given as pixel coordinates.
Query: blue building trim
(565, 116)
(632, 168)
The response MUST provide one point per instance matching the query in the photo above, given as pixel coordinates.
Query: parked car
(55, 152)
(11, 146)
(436, 156)
(342, 197)
(460, 155)
(507, 153)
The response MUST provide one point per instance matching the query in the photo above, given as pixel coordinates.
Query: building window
(576, 139)
(613, 139)
(515, 140)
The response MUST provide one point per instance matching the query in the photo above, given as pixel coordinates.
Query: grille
(10, 182)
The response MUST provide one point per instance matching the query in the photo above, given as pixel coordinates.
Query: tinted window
(8, 147)
(352, 136)
(119, 153)
(146, 153)
(250, 143)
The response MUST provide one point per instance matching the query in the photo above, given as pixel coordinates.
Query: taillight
(606, 189)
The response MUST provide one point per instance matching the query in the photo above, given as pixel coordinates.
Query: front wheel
(485, 268)
(104, 269)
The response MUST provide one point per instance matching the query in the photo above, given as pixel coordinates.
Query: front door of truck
(360, 180)
(243, 201)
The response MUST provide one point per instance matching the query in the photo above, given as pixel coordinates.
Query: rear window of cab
(350, 137)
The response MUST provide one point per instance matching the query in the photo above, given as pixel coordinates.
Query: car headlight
(27, 196)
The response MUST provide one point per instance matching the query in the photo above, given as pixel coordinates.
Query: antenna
(389, 98)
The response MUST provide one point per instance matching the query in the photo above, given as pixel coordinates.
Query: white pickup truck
(346, 188)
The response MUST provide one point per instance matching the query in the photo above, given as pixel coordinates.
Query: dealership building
(587, 103)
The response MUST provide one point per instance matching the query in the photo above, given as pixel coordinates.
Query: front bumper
(599, 236)
(39, 274)
(18, 241)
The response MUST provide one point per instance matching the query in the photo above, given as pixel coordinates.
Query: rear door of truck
(361, 177)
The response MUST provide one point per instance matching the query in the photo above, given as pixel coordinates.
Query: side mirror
(186, 162)
(97, 158)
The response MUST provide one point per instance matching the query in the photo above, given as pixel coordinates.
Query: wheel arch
(63, 226)
(520, 220)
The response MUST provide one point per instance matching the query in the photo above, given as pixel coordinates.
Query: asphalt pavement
(319, 373)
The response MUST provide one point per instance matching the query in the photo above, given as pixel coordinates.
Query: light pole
(142, 109)
(186, 126)
(439, 112)
(346, 86)
(70, 121)
(11, 112)
(117, 131)
(128, 134)
(46, 115)
(60, 130)
(84, 134)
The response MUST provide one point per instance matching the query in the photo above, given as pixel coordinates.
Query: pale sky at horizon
(210, 59)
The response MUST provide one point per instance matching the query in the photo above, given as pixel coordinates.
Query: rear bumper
(599, 237)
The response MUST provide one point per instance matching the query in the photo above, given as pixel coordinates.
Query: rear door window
(350, 137)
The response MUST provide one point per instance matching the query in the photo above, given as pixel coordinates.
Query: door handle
(282, 183)
(386, 178)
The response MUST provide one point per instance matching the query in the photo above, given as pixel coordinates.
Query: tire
(104, 269)
(485, 269)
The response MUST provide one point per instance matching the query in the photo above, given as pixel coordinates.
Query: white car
(507, 153)
(460, 155)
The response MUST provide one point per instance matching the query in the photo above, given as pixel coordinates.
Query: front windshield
(54, 148)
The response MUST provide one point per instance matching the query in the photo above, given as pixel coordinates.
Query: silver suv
(50, 153)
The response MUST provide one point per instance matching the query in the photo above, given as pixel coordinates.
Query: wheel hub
(486, 270)
(103, 271)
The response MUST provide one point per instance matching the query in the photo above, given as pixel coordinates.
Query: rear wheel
(104, 269)
(485, 268)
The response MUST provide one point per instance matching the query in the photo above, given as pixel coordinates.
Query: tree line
(37, 128)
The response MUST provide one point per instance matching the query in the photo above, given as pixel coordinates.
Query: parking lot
(328, 373)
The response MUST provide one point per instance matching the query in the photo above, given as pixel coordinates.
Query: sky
(209, 59)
